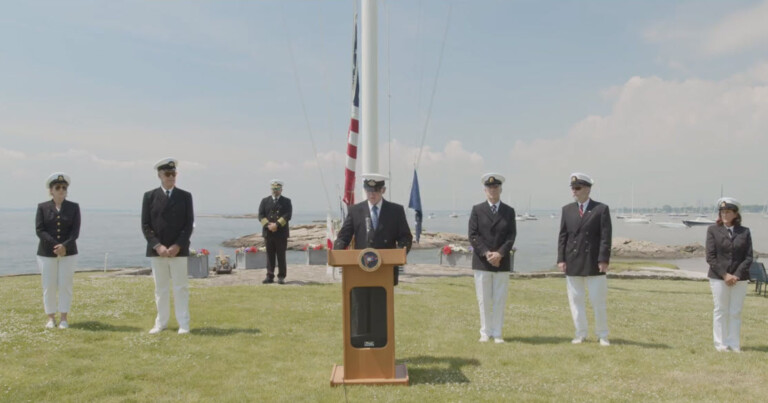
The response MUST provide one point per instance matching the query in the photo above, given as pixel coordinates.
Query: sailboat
(700, 220)
(636, 219)
(765, 211)
(528, 216)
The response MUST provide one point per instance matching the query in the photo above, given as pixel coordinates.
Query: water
(118, 236)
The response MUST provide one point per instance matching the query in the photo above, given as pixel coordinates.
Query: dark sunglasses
(576, 187)
(60, 187)
(169, 173)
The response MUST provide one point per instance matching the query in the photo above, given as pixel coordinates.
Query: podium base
(401, 377)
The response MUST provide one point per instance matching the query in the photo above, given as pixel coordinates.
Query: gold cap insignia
(574, 178)
(60, 178)
(491, 180)
(722, 204)
(371, 182)
(172, 164)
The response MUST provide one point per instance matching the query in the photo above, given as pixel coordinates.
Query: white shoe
(578, 340)
(735, 349)
(604, 342)
(722, 349)
(183, 330)
(51, 324)
(498, 340)
(483, 339)
(63, 325)
(156, 330)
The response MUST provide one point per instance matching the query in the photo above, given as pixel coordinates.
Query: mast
(369, 105)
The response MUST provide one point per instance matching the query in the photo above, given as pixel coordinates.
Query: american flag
(352, 133)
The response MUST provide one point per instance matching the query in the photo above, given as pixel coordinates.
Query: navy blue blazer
(392, 231)
(57, 227)
(729, 255)
(167, 221)
(490, 232)
(584, 241)
(279, 212)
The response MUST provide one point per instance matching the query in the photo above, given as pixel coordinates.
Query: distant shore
(303, 235)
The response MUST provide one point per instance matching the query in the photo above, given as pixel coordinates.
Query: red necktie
(581, 210)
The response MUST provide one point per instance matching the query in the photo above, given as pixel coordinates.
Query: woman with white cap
(58, 226)
(729, 255)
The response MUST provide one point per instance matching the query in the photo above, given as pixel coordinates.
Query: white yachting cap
(579, 178)
(492, 178)
(166, 164)
(276, 183)
(373, 181)
(728, 203)
(57, 177)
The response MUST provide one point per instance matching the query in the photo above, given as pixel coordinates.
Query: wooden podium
(368, 317)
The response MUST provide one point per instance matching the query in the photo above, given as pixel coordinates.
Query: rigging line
(434, 87)
(389, 106)
(420, 58)
(327, 81)
(304, 108)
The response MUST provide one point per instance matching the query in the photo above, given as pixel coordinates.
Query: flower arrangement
(313, 246)
(200, 252)
(250, 249)
(451, 248)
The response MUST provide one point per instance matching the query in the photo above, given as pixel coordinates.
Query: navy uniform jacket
(490, 232)
(584, 241)
(726, 255)
(167, 221)
(57, 227)
(279, 212)
(392, 231)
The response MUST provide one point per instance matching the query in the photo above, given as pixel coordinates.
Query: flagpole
(369, 106)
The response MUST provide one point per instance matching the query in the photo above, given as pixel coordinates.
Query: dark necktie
(581, 210)
(730, 232)
(168, 193)
(375, 216)
(493, 209)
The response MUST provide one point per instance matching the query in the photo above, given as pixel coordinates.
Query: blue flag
(415, 203)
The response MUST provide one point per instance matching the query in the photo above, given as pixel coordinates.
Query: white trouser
(165, 270)
(726, 323)
(57, 273)
(598, 291)
(491, 289)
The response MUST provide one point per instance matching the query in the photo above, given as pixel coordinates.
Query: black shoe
(267, 281)
(280, 281)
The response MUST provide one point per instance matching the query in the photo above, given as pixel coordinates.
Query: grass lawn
(278, 343)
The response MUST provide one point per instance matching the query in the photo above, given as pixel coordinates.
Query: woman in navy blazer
(729, 255)
(58, 225)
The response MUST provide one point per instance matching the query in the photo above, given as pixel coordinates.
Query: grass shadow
(676, 292)
(427, 369)
(624, 342)
(539, 340)
(762, 349)
(96, 326)
(214, 331)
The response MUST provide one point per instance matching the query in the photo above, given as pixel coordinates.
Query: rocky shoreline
(302, 235)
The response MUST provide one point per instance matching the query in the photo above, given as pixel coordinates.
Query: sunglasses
(576, 188)
(59, 187)
(168, 174)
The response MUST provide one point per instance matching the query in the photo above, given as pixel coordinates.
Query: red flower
(447, 250)
(204, 252)
(319, 247)
(305, 247)
(252, 249)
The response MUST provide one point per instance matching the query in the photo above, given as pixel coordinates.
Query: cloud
(6, 154)
(737, 32)
(275, 166)
(740, 31)
(675, 141)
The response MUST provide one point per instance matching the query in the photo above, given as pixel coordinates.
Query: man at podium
(375, 223)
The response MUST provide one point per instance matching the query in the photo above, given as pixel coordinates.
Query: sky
(661, 102)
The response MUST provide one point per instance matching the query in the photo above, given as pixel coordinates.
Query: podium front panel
(368, 317)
